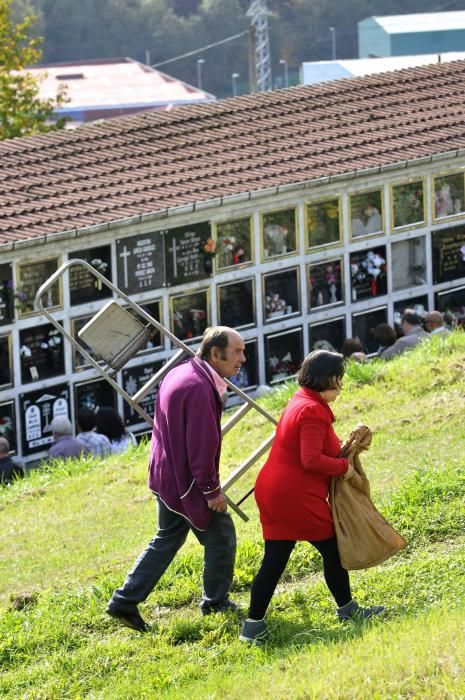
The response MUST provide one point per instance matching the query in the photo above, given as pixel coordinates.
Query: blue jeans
(219, 541)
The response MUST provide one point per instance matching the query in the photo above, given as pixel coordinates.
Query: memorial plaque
(8, 424)
(190, 315)
(38, 409)
(7, 306)
(41, 353)
(325, 285)
(408, 204)
(140, 262)
(279, 233)
(234, 242)
(248, 374)
(366, 214)
(6, 361)
(134, 379)
(368, 272)
(323, 223)
(283, 354)
(363, 327)
(328, 335)
(236, 303)
(186, 258)
(83, 286)
(448, 254)
(449, 195)
(281, 294)
(31, 276)
(408, 263)
(93, 395)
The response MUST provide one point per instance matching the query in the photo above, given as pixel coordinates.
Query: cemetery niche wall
(302, 272)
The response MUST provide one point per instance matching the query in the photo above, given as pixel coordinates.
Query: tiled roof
(154, 161)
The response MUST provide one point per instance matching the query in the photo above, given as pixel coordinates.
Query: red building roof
(154, 161)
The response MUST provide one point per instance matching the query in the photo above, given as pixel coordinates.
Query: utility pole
(258, 13)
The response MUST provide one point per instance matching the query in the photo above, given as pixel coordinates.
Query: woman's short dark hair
(321, 370)
(109, 423)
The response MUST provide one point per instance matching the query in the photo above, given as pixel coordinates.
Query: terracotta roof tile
(155, 160)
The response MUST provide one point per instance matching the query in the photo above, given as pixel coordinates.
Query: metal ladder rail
(106, 373)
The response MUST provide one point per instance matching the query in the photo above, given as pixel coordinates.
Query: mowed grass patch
(78, 527)
(64, 646)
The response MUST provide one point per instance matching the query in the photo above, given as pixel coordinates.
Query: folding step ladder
(115, 335)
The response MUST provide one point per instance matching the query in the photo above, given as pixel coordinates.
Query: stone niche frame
(190, 314)
(407, 205)
(325, 283)
(283, 354)
(279, 233)
(328, 335)
(323, 223)
(366, 214)
(363, 327)
(237, 303)
(234, 243)
(281, 294)
(30, 276)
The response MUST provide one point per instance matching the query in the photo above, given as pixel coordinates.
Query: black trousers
(275, 558)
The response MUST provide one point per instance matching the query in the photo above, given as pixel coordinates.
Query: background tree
(22, 111)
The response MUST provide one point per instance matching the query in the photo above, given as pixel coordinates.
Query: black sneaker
(226, 606)
(133, 620)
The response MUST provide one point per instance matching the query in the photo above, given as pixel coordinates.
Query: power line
(201, 50)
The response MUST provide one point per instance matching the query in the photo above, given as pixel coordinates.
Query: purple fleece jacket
(186, 442)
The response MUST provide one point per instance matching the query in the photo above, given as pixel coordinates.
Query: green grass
(70, 534)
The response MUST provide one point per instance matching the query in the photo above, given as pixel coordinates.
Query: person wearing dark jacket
(184, 476)
(413, 334)
(9, 471)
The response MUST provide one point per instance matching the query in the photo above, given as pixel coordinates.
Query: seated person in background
(434, 324)
(9, 471)
(413, 334)
(352, 349)
(385, 335)
(65, 444)
(97, 444)
(109, 423)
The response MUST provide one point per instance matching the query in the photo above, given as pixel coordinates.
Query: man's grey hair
(61, 425)
(4, 445)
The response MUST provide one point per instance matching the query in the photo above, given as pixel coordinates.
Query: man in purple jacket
(184, 476)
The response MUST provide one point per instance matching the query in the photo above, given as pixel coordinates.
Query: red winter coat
(293, 485)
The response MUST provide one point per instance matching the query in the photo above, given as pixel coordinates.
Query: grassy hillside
(69, 536)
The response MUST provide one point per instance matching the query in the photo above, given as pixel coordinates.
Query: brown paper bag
(364, 537)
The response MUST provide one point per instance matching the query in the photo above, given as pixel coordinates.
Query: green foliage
(22, 111)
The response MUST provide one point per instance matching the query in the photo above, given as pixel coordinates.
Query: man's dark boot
(134, 619)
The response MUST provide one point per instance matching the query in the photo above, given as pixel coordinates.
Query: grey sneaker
(254, 632)
(353, 611)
